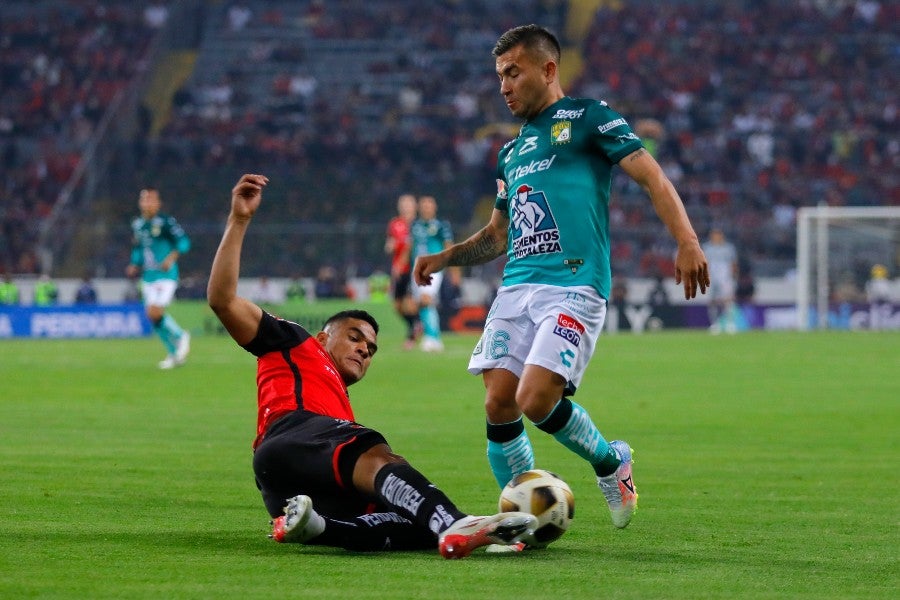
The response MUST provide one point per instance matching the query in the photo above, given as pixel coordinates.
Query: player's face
(427, 207)
(149, 203)
(406, 206)
(524, 82)
(351, 343)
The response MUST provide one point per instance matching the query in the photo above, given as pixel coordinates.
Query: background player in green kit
(157, 243)
(429, 234)
(551, 218)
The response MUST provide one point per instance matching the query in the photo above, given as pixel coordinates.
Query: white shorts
(721, 288)
(433, 289)
(159, 292)
(553, 327)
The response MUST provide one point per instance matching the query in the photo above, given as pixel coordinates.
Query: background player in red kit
(309, 452)
(397, 244)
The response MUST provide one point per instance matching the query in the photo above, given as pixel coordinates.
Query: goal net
(837, 248)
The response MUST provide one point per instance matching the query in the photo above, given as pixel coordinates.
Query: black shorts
(311, 454)
(401, 285)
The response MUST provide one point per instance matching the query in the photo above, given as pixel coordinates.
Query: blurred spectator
(296, 290)
(86, 292)
(265, 292)
(878, 293)
(328, 284)
(238, 16)
(878, 287)
(156, 14)
(379, 284)
(9, 291)
(617, 315)
(658, 297)
(46, 292)
(132, 291)
(746, 287)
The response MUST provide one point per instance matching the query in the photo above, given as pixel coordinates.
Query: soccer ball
(546, 496)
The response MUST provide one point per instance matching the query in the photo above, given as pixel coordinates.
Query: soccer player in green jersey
(157, 243)
(429, 234)
(551, 219)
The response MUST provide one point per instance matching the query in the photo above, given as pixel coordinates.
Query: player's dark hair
(352, 314)
(533, 37)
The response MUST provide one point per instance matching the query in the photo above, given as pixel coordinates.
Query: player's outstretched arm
(484, 246)
(691, 269)
(239, 316)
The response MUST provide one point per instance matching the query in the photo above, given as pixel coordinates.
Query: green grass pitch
(767, 467)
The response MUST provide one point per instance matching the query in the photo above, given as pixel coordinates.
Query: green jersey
(153, 240)
(428, 237)
(553, 183)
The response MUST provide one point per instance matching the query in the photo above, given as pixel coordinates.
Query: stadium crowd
(754, 108)
(61, 66)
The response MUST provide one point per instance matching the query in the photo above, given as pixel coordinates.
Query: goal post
(835, 245)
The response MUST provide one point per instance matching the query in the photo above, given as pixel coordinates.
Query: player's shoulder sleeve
(180, 239)
(446, 231)
(611, 133)
(502, 201)
(276, 334)
(136, 254)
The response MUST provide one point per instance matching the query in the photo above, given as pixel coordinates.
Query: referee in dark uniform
(324, 478)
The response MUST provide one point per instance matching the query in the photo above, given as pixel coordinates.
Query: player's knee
(370, 462)
(536, 405)
(501, 410)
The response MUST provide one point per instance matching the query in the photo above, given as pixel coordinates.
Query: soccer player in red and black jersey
(397, 244)
(324, 478)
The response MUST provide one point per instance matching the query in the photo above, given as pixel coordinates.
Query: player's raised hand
(247, 194)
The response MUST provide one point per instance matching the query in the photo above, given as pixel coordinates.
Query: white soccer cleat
(618, 488)
(510, 549)
(473, 532)
(169, 362)
(431, 344)
(183, 347)
(299, 524)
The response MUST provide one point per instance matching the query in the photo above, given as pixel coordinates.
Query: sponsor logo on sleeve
(611, 125)
(628, 136)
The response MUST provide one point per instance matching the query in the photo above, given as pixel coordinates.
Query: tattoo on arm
(478, 249)
(637, 154)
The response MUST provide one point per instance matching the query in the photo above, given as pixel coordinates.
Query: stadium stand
(754, 108)
(61, 66)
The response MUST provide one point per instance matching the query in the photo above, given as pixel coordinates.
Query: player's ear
(550, 71)
(322, 337)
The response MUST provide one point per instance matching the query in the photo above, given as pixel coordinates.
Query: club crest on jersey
(561, 132)
(533, 227)
(568, 328)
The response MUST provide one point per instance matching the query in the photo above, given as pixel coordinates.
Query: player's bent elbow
(217, 301)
